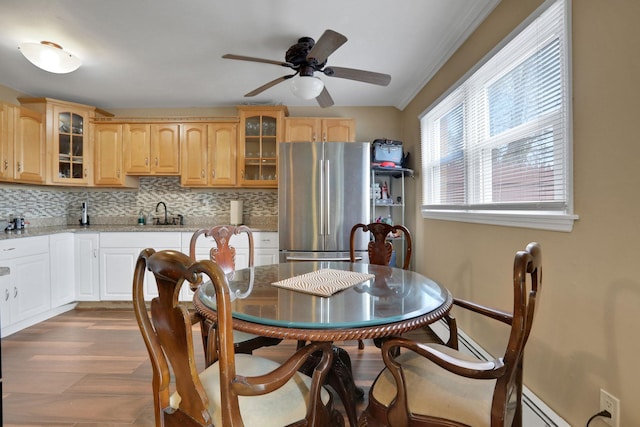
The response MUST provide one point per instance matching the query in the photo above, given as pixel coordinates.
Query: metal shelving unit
(394, 206)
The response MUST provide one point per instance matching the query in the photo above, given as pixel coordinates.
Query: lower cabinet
(26, 291)
(62, 261)
(118, 255)
(87, 266)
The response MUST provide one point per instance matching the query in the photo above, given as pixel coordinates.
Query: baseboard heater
(535, 412)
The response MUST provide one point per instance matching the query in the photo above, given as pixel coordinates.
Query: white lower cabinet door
(116, 273)
(61, 255)
(87, 269)
(32, 285)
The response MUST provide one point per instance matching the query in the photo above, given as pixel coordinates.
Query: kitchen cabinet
(390, 209)
(69, 154)
(87, 266)
(108, 148)
(261, 129)
(27, 291)
(152, 149)
(62, 262)
(265, 248)
(208, 154)
(319, 129)
(29, 147)
(118, 254)
(6, 141)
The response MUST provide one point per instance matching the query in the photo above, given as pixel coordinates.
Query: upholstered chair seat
(283, 406)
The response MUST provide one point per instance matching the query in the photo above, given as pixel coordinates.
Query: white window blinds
(499, 143)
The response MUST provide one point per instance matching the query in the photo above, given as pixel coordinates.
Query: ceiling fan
(308, 56)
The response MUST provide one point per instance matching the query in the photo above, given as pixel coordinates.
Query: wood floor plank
(90, 368)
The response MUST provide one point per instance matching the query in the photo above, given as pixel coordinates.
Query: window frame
(552, 215)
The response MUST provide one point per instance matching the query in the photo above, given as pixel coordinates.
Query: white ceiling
(167, 53)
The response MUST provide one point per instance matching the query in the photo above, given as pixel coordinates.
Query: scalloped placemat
(325, 282)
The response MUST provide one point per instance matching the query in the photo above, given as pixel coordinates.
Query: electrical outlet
(611, 404)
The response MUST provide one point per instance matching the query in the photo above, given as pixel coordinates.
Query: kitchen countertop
(44, 231)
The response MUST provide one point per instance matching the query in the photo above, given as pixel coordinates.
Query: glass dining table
(393, 301)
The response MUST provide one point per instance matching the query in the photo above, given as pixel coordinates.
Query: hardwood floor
(89, 368)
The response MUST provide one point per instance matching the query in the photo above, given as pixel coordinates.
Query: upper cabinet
(22, 145)
(69, 152)
(152, 149)
(319, 129)
(108, 157)
(261, 129)
(208, 154)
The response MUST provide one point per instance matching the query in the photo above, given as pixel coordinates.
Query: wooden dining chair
(437, 385)
(224, 254)
(380, 249)
(239, 389)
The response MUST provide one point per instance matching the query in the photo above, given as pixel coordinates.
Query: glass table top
(394, 295)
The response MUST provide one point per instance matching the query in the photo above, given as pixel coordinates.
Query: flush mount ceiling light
(306, 87)
(50, 57)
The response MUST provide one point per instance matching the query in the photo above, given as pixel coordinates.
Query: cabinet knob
(6, 295)
(213, 173)
(19, 167)
(6, 165)
(85, 172)
(15, 292)
(202, 173)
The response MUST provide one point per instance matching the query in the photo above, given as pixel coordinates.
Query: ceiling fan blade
(328, 42)
(268, 85)
(359, 75)
(252, 59)
(324, 99)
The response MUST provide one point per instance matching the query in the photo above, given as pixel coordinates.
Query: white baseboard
(18, 326)
(535, 412)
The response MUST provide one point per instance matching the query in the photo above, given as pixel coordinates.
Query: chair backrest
(527, 285)
(223, 253)
(168, 337)
(380, 248)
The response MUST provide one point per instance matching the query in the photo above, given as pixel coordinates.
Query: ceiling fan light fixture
(306, 87)
(50, 57)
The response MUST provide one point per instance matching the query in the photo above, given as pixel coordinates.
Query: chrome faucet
(166, 220)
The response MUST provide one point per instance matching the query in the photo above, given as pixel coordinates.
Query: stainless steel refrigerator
(323, 191)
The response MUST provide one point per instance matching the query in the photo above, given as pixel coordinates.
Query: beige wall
(586, 334)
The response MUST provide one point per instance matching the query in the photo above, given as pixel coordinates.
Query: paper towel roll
(235, 216)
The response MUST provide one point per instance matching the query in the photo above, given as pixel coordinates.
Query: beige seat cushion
(239, 336)
(276, 409)
(436, 392)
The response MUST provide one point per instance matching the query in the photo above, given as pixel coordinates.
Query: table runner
(325, 282)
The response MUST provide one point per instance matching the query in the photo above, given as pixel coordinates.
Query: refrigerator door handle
(327, 196)
(321, 196)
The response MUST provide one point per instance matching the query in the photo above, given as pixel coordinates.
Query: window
(496, 148)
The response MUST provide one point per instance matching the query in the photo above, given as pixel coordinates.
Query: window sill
(541, 221)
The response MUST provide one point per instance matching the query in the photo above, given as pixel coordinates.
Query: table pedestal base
(340, 378)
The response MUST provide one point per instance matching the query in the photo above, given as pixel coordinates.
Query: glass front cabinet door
(261, 128)
(69, 153)
(70, 142)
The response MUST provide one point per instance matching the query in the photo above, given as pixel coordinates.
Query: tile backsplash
(50, 206)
